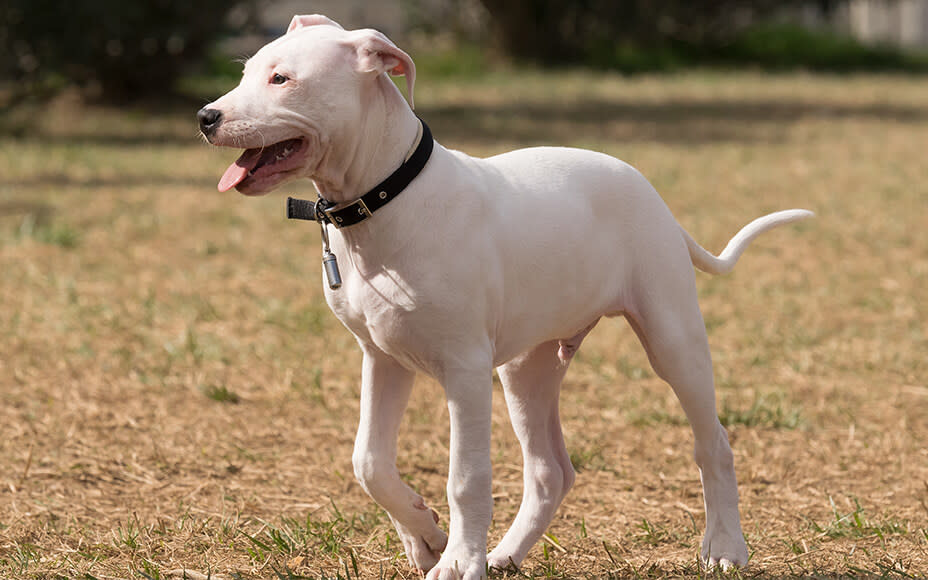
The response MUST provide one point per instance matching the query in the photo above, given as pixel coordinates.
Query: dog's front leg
(385, 388)
(470, 502)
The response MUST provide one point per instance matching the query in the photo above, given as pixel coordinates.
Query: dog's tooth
(285, 153)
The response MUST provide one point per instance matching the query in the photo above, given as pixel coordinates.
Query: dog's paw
(451, 567)
(502, 562)
(423, 550)
(724, 551)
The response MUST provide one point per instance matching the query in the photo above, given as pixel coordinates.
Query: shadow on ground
(583, 119)
(669, 122)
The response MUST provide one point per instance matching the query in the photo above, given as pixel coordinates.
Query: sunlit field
(176, 400)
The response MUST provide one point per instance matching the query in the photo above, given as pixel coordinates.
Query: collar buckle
(337, 215)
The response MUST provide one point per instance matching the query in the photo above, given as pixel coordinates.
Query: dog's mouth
(258, 169)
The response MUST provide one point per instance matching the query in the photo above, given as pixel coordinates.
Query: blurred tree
(124, 48)
(566, 31)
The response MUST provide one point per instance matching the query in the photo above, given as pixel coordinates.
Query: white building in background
(898, 22)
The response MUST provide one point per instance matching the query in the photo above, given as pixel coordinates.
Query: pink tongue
(238, 171)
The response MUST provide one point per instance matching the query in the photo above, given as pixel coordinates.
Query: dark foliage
(631, 34)
(122, 48)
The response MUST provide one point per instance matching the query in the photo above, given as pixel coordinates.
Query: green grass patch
(591, 457)
(48, 232)
(464, 60)
(20, 557)
(220, 394)
(330, 537)
(767, 410)
(853, 524)
(651, 417)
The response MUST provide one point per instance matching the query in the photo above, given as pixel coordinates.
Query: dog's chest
(382, 311)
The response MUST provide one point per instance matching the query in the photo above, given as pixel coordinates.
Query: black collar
(324, 211)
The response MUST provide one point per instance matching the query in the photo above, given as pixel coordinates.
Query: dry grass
(174, 394)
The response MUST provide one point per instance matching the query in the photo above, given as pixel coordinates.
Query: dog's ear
(303, 20)
(376, 53)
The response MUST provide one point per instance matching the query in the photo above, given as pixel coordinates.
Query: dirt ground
(176, 399)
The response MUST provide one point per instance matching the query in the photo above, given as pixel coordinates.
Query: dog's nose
(209, 119)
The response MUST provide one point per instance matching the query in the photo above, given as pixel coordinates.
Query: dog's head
(299, 95)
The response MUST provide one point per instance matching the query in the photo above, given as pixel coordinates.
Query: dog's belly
(572, 223)
(427, 334)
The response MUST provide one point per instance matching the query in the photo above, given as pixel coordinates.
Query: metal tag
(332, 275)
(329, 263)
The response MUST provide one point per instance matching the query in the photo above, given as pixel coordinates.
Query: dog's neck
(383, 138)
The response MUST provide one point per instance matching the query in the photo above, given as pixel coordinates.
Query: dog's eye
(278, 79)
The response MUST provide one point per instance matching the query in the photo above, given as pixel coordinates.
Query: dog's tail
(724, 262)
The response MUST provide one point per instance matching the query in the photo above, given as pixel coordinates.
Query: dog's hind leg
(666, 317)
(385, 389)
(531, 384)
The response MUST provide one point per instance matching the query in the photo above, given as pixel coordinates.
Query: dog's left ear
(304, 20)
(376, 53)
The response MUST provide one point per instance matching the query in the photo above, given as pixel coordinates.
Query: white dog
(475, 264)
